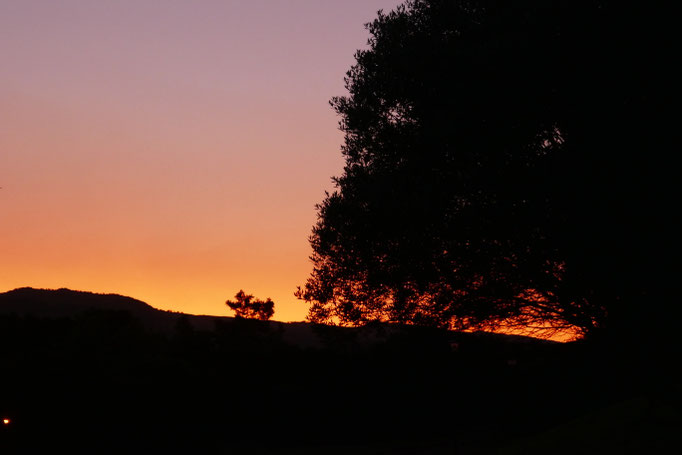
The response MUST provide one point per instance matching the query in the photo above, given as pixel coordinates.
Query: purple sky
(170, 150)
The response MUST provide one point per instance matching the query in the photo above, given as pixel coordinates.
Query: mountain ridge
(68, 303)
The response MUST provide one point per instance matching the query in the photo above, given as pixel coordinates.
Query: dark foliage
(505, 167)
(246, 306)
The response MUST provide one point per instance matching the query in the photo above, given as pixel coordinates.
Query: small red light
(5, 421)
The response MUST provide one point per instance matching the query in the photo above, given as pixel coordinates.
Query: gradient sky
(168, 150)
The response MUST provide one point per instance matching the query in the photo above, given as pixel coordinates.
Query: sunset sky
(172, 151)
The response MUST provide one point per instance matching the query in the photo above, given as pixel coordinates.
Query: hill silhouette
(67, 303)
(98, 373)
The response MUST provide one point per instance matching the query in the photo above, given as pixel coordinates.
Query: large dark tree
(500, 157)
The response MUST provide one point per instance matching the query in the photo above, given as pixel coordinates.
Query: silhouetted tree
(246, 306)
(498, 156)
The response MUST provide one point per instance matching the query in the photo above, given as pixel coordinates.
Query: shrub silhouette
(246, 306)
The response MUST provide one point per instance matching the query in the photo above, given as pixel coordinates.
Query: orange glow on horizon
(174, 155)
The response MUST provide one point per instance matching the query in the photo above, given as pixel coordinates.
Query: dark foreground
(101, 379)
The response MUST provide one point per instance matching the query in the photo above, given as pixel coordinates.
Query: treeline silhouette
(102, 379)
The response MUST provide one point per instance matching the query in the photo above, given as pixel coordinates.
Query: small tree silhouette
(246, 306)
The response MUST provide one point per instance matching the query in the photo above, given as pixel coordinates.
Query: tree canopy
(500, 168)
(248, 307)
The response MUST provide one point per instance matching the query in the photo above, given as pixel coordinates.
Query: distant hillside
(66, 303)
(116, 371)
